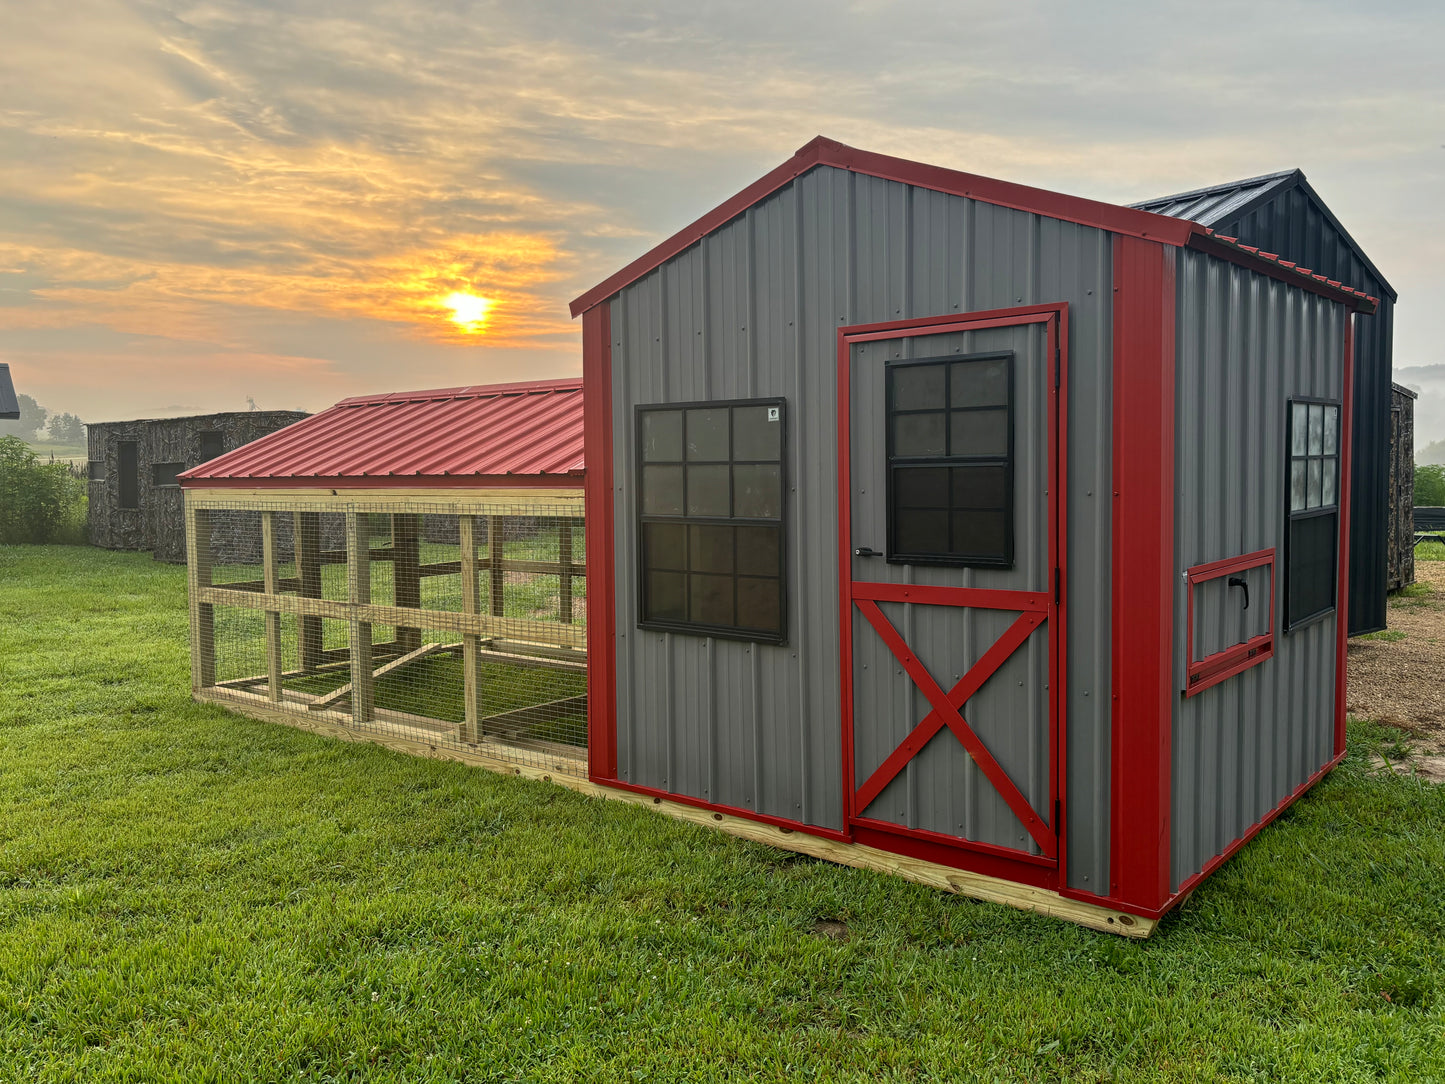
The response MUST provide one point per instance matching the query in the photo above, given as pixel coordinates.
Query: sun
(469, 312)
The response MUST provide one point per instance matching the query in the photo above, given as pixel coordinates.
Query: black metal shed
(1280, 213)
(9, 404)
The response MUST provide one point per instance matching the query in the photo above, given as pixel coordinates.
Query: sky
(212, 204)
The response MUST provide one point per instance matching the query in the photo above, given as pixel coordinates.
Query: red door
(952, 580)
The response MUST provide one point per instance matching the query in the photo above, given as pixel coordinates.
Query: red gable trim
(1125, 221)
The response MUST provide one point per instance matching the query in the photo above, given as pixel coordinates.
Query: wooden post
(471, 646)
(203, 614)
(406, 573)
(496, 562)
(358, 591)
(564, 558)
(273, 617)
(308, 575)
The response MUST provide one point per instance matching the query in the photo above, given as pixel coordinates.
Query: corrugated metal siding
(753, 310)
(1244, 345)
(1292, 226)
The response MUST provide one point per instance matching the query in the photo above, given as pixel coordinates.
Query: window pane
(754, 436)
(707, 490)
(662, 435)
(707, 434)
(1332, 430)
(980, 487)
(760, 604)
(1317, 428)
(1331, 467)
(1312, 566)
(1297, 485)
(1299, 428)
(662, 491)
(920, 487)
(980, 534)
(666, 597)
(664, 546)
(212, 444)
(164, 474)
(711, 548)
(979, 432)
(917, 387)
(710, 599)
(980, 383)
(758, 551)
(920, 531)
(918, 434)
(1316, 473)
(757, 492)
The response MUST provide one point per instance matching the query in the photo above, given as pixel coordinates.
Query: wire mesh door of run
(454, 624)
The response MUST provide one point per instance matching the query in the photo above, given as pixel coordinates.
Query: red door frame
(1001, 861)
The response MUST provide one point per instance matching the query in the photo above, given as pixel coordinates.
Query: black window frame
(174, 483)
(1293, 516)
(893, 462)
(216, 436)
(780, 523)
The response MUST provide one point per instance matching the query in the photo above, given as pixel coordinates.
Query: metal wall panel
(753, 310)
(1245, 344)
(1292, 226)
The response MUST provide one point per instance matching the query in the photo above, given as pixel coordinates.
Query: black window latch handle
(1238, 581)
(866, 551)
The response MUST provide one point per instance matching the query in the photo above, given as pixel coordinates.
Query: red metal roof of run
(500, 434)
(1129, 221)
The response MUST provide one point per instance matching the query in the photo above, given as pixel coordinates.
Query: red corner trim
(1142, 572)
(601, 563)
(1342, 583)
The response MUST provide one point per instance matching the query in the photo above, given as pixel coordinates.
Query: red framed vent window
(1231, 618)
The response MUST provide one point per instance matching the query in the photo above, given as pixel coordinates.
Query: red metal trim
(1209, 671)
(396, 481)
(1226, 249)
(1342, 584)
(826, 152)
(946, 710)
(952, 852)
(601, 544)
(1054, 316)
(1142, 572)
(730, 810)
(956, 842)
(975, 597)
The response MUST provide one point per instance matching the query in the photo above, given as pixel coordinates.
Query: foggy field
(186, 894)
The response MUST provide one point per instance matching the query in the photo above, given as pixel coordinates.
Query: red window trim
(1212, 669)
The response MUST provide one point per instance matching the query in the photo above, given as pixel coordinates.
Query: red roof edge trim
(827, 152)
(1217, 245)
(474, 391)
(570, 480)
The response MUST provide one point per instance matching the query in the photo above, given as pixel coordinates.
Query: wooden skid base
(944, 878)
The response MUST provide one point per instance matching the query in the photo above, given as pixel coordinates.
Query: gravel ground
(1398, 677)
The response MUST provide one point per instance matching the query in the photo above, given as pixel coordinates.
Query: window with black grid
(711, 485)
(1313, 487)
(950, 461)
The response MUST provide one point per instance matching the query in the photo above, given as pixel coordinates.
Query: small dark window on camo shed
(164, 474)
(1311, 554)
(127, 459)
(711, 493)
(213, 444)
(950, 461)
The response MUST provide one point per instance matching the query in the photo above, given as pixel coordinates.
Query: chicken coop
(407, 567)
(982, 534)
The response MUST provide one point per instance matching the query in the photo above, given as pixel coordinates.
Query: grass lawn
(189, 895)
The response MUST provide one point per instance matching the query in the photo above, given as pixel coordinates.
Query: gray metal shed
(976, 532)
(1281, 213)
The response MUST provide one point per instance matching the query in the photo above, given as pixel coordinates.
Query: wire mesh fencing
(460, 625)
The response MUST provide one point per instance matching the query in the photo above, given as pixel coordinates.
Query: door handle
(866, 551)
(1238, 581)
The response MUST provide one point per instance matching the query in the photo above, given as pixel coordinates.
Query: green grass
(187, 895)
(1388, 635)
(70, 453)
(1430, 551)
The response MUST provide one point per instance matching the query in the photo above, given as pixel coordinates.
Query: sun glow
(469, 312)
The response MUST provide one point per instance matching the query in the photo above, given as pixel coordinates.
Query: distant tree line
(1429, 485)
(36, 423)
